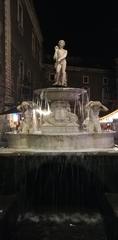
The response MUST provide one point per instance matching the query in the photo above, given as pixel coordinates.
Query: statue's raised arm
(60, 55)
(55, 54)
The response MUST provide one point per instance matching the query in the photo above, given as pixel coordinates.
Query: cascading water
(65, 189)
(79, 107)
(63, 180)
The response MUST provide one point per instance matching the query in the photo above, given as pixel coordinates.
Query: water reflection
(61, 225)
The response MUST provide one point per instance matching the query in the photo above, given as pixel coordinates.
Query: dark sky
(86, 27)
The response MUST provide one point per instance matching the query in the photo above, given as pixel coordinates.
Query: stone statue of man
(60, 64)
(91, 123)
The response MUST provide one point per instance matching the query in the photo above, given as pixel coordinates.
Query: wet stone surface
(60, 226)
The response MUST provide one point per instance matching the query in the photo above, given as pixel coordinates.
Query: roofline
(75, 68)
(108, 115)
(34, 20)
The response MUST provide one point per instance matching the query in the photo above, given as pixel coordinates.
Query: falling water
(58, 180)
(79, 107)
(35, 123)
(61, 187)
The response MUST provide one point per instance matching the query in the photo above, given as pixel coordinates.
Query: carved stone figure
(61, 115)
(26, 125)
(91, 123)
(60, 64)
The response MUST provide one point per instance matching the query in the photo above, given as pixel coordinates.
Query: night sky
(88, 28)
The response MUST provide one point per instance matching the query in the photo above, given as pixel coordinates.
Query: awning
(10, 111)
(109, 117)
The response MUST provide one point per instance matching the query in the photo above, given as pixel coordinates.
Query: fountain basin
(61, 142)
(61, 94)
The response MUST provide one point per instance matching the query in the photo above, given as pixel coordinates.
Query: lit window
(20, 15)
(85, 79)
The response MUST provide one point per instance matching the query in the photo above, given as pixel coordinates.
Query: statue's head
(61, 43)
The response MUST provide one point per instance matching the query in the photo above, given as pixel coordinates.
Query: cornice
(34, 20)
(81, 69)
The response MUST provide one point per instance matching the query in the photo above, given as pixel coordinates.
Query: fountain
(59, 157)
(61, 119)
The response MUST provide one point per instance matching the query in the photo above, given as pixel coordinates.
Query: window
(105, 81)
(29, 76)
(85, 79)
(38, 53)
(28, 81)
(105, 93)
(33, 45)
(21, 70)
(20, 15)
(26, 87)
(20, 78)
(26, 93)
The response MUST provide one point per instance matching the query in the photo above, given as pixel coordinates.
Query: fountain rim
(39, 133)
(60, 94)
(58, 89)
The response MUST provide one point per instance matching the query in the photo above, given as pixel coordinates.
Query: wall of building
(20, 52)
(2, 47)
(116, 75)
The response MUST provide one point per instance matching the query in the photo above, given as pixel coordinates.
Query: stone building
(20, 52)
(116, 74)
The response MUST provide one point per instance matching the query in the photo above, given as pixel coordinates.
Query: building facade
(20, 52)
(116, 74)
(2, 55)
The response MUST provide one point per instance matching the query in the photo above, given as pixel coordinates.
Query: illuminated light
(43, 106)
(15, 117)
(44, 112)
(109, 117)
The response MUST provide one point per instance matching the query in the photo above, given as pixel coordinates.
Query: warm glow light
(15, 117)
(44, 112)
(110, 117)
